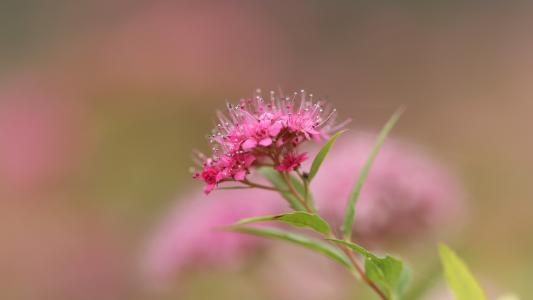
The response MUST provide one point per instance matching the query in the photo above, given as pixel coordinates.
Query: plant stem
(306, 184)
(294, 192)
(359, 269)
(351, 256)
(258, 185)
(234, 187)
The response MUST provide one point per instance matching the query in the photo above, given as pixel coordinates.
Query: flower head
(259, 131)
(291, 162)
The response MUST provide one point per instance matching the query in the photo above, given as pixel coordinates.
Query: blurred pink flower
(406, 193)
(191, 234)
(40, 134)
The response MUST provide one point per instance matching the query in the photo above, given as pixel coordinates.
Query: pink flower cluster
(260, 131)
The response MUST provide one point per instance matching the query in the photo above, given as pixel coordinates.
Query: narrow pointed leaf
(460, 279)
(355, 248)
(405, 281)
(299, 219)
(312, 244)
(388, 273)
(350, 208)
(319, 158)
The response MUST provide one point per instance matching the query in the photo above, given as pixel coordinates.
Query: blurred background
(101, 103)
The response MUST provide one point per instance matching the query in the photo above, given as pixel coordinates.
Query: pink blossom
(41, 134)
(406, 192)
(191, 234)
(291, 162)
(210, 175)
(259, 129)
(304, 125)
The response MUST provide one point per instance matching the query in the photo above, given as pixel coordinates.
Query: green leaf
(354, 247)
(405, 281)
(277, 181)
(299, 219)
(297, 239)
(319, 158)
(460, 280)
(388, 273)
(350, 208)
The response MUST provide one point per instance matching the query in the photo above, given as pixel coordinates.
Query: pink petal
(264, 123)
(240, 175)
(249, 160)
(301, 158)
(266, 142)
(275, 129)
(281, 168)
(208, 188)
(249, 144)
(313, 131)
(221, 176)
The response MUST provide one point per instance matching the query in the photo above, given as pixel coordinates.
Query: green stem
(351, 256)
(295, 193)
(258, 185)
(359, 269)
(305, 183)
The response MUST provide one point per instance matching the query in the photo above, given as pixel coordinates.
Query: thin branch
(306, 184)
(258, 185)
(359, 269)
(234, 188)
(351, 256)
(294, 192)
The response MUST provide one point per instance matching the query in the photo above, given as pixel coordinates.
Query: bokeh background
(101, 103)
